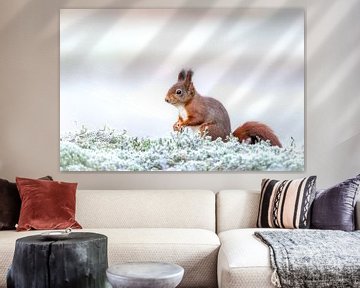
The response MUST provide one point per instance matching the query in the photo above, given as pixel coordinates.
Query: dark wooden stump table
(79, 261)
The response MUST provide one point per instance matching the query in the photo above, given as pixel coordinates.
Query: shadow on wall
(330, 86)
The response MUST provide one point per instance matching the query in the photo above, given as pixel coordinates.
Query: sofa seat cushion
(196, 250)
(244, 261)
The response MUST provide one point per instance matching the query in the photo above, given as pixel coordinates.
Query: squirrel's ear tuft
(189, 75)
(181, 76)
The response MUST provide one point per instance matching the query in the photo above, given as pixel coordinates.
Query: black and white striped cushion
(286, 204)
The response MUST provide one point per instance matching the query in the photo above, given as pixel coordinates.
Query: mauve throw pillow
(334, 208)
(10, 204)
(46, 204)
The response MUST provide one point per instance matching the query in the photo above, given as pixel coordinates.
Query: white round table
(145, 275)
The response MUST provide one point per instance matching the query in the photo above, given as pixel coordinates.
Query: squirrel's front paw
(177, 126)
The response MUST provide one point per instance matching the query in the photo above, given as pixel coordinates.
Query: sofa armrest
(357, 215)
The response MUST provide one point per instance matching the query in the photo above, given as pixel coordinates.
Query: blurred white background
(117, 65)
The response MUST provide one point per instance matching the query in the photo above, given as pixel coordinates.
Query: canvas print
(182, 89)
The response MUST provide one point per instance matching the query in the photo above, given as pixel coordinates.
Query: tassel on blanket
(275, 280)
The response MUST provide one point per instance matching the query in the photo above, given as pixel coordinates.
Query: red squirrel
(208, 116)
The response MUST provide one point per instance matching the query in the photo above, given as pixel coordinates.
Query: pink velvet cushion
(46, 204)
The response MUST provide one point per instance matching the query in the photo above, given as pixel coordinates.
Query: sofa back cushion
(146, 209)
(236, 209)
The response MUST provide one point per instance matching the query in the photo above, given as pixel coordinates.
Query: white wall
(29, 95)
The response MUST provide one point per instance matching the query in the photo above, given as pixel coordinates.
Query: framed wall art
(182, 89)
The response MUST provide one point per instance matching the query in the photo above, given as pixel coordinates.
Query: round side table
(145, 275)
(78, 261)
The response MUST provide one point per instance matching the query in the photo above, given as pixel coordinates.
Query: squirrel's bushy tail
(256, 132)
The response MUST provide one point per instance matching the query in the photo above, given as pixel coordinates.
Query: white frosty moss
(110, 150)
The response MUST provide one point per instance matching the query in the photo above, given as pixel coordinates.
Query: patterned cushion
(286, 204)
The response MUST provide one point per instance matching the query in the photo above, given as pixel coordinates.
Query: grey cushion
(334, 208)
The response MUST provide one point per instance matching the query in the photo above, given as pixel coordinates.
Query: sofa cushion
(10, 204)
(236, 209)
(286, 204)
(244, 261)
(334, 208)
(194, 249)
(46, 204)
(153, 209)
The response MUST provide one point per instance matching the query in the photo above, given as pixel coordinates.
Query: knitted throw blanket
(313, 258)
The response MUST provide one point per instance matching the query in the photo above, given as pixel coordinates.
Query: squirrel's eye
(178, 91)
